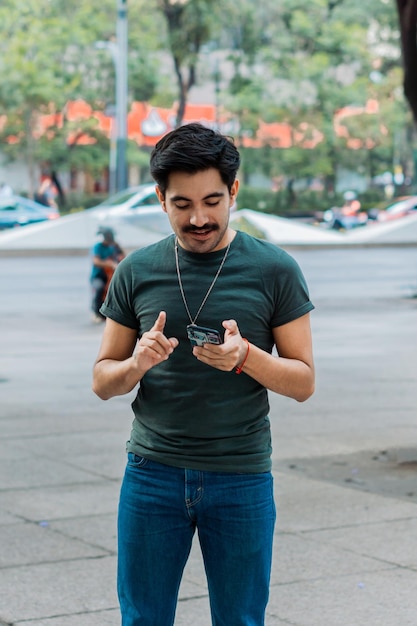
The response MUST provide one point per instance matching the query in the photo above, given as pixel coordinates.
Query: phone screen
(199, 335)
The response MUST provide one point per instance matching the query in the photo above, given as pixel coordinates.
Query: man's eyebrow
(214, 194)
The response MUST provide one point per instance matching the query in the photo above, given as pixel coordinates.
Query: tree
(287, 61)
(189, 27)
(312, 60)
(47, 58)
(32, 75)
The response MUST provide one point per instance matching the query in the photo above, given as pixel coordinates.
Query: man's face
(198, 207)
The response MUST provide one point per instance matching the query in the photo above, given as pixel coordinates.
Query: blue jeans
(160, 508)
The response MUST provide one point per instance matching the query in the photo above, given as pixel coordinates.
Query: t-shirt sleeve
(118, 304)
(96, 249)
(292, 296)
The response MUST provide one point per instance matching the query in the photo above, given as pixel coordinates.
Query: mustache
(197, 229)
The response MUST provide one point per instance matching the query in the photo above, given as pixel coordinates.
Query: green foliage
(318, 59)
(47, 57)
(280, 203)
(77, 201)
(287, 61)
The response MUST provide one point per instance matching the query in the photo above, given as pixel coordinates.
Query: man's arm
(123, 361)
(289, 374)
(104, 263)
(292, 372)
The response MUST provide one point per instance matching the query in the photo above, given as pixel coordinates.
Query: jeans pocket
(134, 460)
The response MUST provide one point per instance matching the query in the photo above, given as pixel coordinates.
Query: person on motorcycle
(347, 216)
(106, 255)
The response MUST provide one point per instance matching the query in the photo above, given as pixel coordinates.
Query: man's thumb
(231, 326)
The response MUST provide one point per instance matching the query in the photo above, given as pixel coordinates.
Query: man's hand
(154, 347)
(229, 354)
(123, 361)
(110, 263)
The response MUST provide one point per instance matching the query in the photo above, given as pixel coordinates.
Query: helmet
(107, 232)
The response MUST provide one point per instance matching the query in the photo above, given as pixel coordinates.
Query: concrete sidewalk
(346, 536)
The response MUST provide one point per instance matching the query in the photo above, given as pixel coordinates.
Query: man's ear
(233, 192)
(161, 197)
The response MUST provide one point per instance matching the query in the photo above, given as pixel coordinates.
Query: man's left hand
(228, 355)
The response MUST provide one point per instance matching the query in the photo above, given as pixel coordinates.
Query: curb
(36, 252)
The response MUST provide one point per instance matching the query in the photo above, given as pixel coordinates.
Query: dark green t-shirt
(188, 414)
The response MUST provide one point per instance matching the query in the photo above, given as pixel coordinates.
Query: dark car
(19, 211)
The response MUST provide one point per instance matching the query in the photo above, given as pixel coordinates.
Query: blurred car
(127, 202)
(393, 210)
(18, 211)
(149, 218)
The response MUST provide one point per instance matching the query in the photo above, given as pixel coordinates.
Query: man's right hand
(123, 360)
(154, 347)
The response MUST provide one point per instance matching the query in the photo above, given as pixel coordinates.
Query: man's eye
(181, 206)
(213, 203)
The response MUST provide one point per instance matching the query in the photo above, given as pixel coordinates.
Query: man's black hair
(194, 148)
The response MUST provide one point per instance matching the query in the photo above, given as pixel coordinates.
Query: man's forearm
(289, 377)
(115, 378)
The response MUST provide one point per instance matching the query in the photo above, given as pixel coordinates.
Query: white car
(406, 205)
(130, 201)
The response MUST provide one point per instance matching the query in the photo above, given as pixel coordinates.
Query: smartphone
(199, 335)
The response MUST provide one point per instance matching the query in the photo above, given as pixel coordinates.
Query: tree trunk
(30, 124)
(407, 12)
(182, 89)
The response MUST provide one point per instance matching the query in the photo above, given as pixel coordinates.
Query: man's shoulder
(98, 248)
(150, 253)
(261, 248)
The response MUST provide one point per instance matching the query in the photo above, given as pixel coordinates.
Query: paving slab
(54, 589)
(59, 420)
(193, 611)
(383, 541)
(306, 505)
(386, 597)
(8, 518)
(29, 543)
(42, 474)
(344, 550)
(51, 503)
(110, 617)
(302, 558)
(371, 471)
(95, 453)
(95, 530)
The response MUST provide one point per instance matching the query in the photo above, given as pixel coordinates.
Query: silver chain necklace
(193, 321)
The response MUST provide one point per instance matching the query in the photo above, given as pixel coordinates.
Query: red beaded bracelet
(239, 369)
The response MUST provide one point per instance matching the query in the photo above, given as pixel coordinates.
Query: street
(364, 331)
(346, 509)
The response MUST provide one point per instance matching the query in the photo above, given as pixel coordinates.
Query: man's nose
(199, 217)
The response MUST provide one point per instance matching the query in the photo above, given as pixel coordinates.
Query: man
(106, 255)
(200, 447)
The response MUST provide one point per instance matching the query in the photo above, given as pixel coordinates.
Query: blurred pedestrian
(106, 255)
(47, 193)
